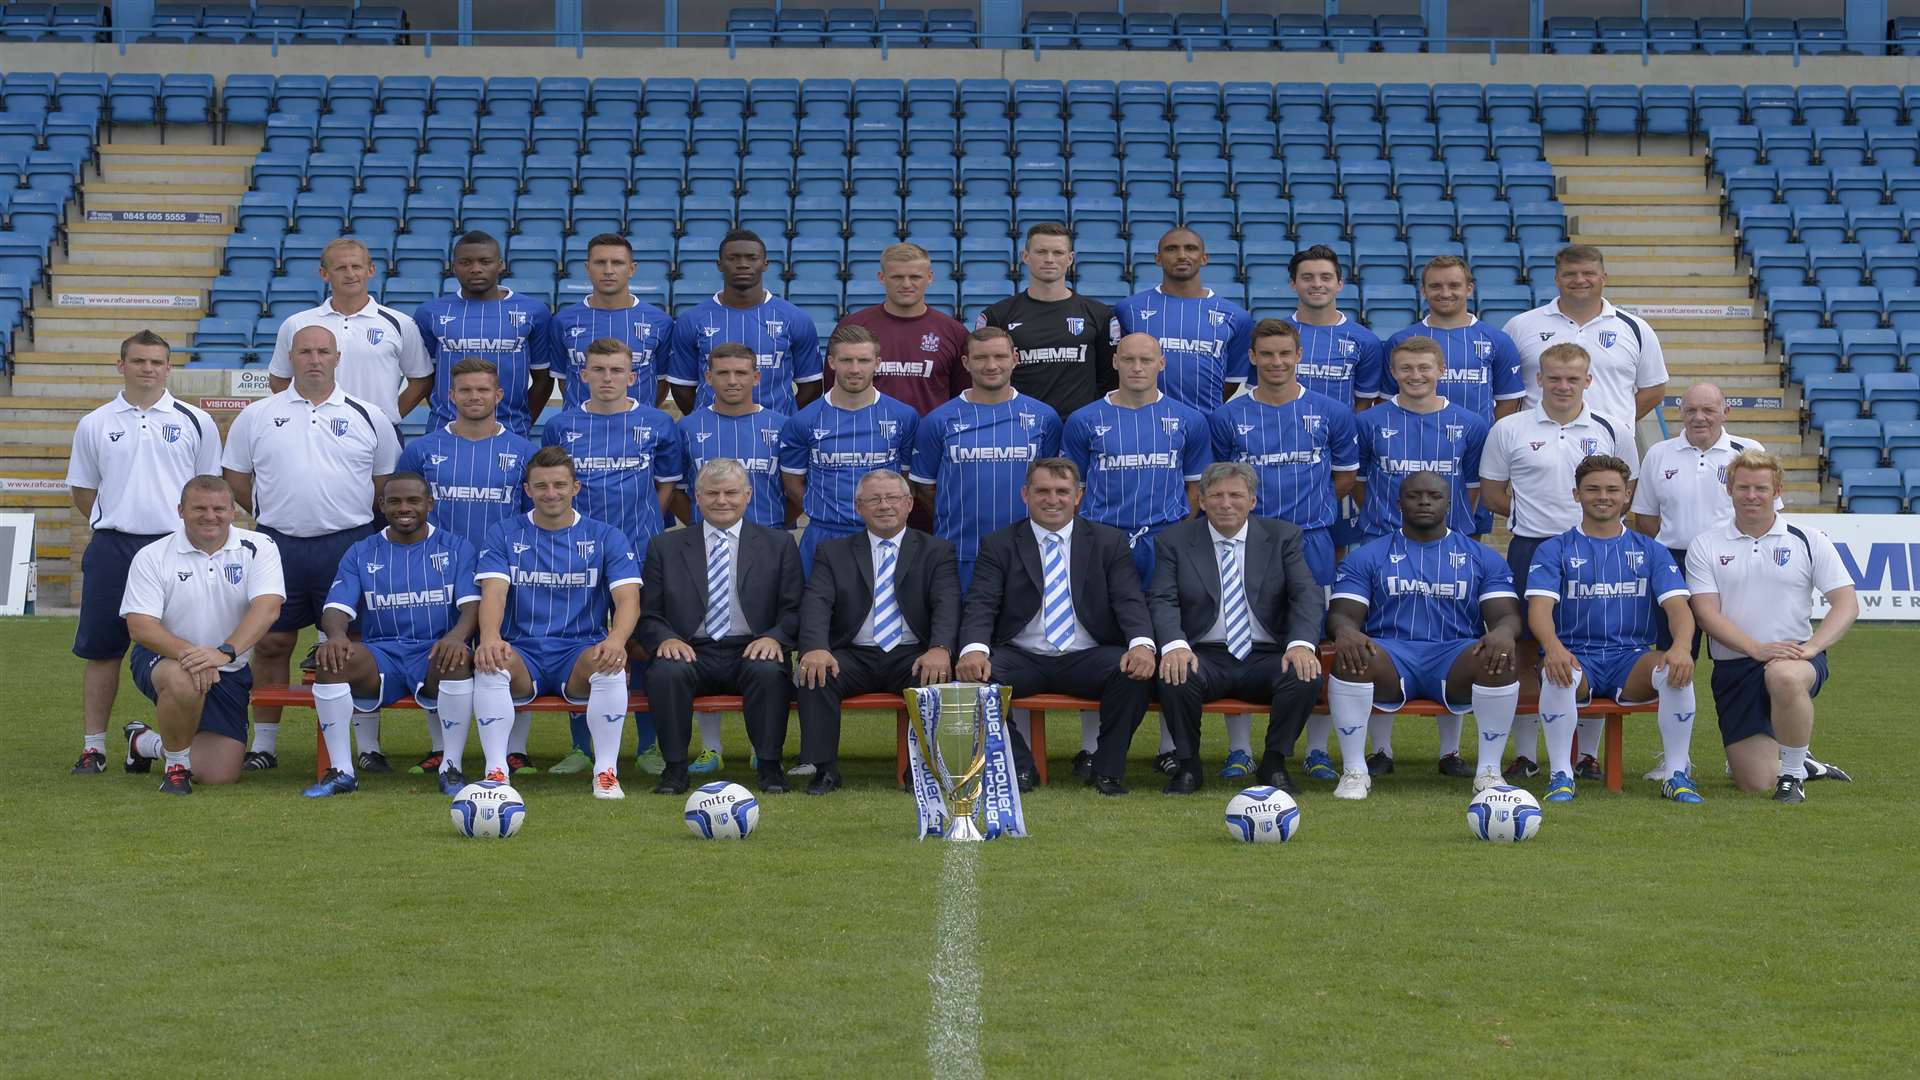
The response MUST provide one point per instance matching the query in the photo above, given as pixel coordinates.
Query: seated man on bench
(411, 587)
(1408, 614)
(548, 582)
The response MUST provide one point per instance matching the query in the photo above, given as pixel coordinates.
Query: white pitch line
(953, 1019)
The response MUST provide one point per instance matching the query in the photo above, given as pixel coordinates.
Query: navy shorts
(403, 671)
(225, 710)
(1140, 545)
(1606, 673)
(1520, 551)
(309, 564)
(1740, 696)
(1317, 546)
(103, 583)
(1423, 668)
(550, 662)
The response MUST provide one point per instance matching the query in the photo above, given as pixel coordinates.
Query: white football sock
(710, 730)
(148, 744)
(1380, 728)
(1350, 703)
(1240, 733)
(334, 704)
(1559, 717)
(517, 732)
(265, 738)
(606, 717)
(456, 716)
(1589, 730)
(1450, 726)
(1166, 737)
(436, 740)
(1493, 712)
(1319, 729)
(366, 732)
(178, 757)
(1793, 762)
(1089, 732)
(1676, 723)
(95, 742)
(493, 715)
(1524, 740)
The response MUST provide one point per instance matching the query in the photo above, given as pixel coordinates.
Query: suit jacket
(926, 586)
(1280, 588)
(673, 602)
(1008, 584)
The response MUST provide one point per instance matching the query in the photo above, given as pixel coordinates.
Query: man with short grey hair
(1238, 614)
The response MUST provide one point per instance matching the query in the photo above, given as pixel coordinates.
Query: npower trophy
(960, 758)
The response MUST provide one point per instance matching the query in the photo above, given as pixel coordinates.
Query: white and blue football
(1504, 814)
(722, 811)
(1263, 815)
(488, 809)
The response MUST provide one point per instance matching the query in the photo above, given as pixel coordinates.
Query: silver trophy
(953, 748)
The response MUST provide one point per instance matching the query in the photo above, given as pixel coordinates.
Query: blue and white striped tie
(1233, 604)
(719, 588)
(1056, 600)
(888, 626)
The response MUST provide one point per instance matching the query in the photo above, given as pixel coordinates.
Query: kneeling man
(196, 602)
(1753, 580)
(411, 587)
(1055, 607)
(880, 613)
(1422, 612)
(1238, 613)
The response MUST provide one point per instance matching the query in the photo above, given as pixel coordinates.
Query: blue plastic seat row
(1870, 444)
(1715, 36)
(1861, 352)
(52, 22)
(863, 28)
(1792, 308)
(235, 24)
(1207, 31)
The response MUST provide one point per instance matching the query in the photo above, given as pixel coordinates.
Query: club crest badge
(1608, 337)
(1349, 347)
(438, 560)
(775, 327)
(1216, 317)
(1590, 447)
(889, 429)
(1076, 327)
(1027, 420)
(340, 426)
(770, 436)
(1482, 349)
(1456, 432)
(375, 335)
(642, 433)
(235, 572)
(517, 318)
(584, 547)
(1170, 425)
(170, 432)
(1782, 555)
(1723, 474)
(1636, 560)
(929, 342)
(1457, 558)
(508, 462)
(1313, 422)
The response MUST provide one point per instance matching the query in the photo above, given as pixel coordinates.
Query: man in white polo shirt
(197, 600)
(379, 347)
(129, 457)
(1629, 370)
(1753, 580)
(310, 461)
(1526, 473)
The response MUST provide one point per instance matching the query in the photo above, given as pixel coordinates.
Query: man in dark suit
(1238, 614)
(721, 621)
(1056, 607)
(864, 632)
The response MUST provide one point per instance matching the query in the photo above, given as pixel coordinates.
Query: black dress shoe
(1107, 785)
(673, 781)
(1184, 782)
(1083, 765)
(1027, 779)
(1273, 773)
(825, 781)
(773, 780)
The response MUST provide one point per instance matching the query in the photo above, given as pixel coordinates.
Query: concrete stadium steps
(125, 162)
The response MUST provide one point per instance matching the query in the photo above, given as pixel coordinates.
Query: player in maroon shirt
(920, 348)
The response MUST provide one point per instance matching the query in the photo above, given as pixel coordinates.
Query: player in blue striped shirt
(1417, 431)
(1141, 452)
(971, 455)
(627, 456)
(1338, 357)
(1301, 444)
(1591, 596)
(1482, 364)
(733, 426)
(473, 464)
(1407, 621)
(549, 581)
(485, 320)
(611, 311)
(782, 337)
(411, 588)
(1205, 337)
(830, 444)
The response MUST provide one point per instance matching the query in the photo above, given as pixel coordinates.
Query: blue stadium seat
(1613, 110)
(1894, 266)
(1871, 352)
(951, 28)
(134, 98)
(1832, 397)
(1781, 265)
(1102, 30)
(1853, 308)
(1893, 397)
(1619, 34)
(1835, 265)
(1298, 32)
(1791, 309)
(1572, 34)
(1811, 352)
(1401, 33)
(1872, 491)
(1351, 33)
(1902, 444)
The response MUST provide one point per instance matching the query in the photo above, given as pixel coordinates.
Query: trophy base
(962, 829)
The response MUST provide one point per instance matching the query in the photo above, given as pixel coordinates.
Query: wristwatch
(228, 651)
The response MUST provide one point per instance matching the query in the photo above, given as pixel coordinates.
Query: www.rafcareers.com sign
(1882, 552)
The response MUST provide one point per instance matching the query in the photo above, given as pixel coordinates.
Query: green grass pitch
(245, 931)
